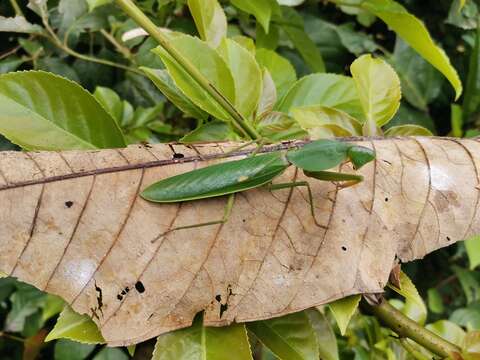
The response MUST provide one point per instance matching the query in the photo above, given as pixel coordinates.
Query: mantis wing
(217, 180)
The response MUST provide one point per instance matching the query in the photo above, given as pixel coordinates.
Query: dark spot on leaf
(344, 248)
(69, 204)
(223, 308)
(178, 156)
(218, 298)
(119, 297)
(243, 220)
(139, 287)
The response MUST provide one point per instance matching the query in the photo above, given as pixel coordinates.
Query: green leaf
(435, 302)
(343, 311)
(261, 9)
(468, 317)
(246, 42)
(246, 73)
(26, 301)
(268, 97)
(327, 342)
(335, 91)
(92, 4)
(210, 64)
(289, 337)
(322, 121)
(110, 101)
(52, 306)
(407, 115)
(111, 354)
(72, 350)
(355, 41)
(41, 111)
(469, 282)
(131, 350)
(73, 326)
(378, 87)
(471, 100)
(407, 130)
(281, 70)
(449, 331)
(210, 20)
(414, 32)
(11, 63)
(277, 126)
(414, 306)
(421, 83)
(164, 82)
(204, 343)
(294, 27)
(464, 16)
(471, 345)
(19, 24)
(472, 246)
(267, 41)
(211, 132)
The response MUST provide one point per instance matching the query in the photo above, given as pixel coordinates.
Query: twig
(12, 337)
(63, 46)
(141, 19)
(407, 328)
(9, 52)
(121, 49)
(16, 8)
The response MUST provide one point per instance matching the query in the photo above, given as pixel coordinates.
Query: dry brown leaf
(72, 224)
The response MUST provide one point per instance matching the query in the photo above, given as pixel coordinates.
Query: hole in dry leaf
(344, 248)
(139, 287)
(218, 298)
(386, 199)
(69, 204)
(448, 238)
(223, 308)
(178, 156)
(119, 297)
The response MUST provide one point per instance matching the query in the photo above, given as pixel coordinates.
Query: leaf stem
(16, 8)
(141, 19)
(407, 328)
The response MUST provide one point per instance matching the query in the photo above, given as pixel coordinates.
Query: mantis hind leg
(226, 216)
(310, 195)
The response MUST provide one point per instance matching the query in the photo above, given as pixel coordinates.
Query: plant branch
(407, 328)
(141, 19)
(16, 8)
(63, 46)
(120, 48)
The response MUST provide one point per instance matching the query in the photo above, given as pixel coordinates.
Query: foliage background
(446, 280)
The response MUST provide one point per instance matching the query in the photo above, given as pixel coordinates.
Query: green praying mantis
(229, 178)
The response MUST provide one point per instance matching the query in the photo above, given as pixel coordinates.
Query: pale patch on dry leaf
(72, 224)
